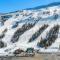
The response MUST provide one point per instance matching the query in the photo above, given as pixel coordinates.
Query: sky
(14, 5)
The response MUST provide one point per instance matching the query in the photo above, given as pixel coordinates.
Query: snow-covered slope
(38, 28)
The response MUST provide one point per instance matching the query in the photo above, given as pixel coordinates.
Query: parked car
(30, 52)
(18, 51)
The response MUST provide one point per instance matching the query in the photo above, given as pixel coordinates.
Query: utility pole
(59, 46)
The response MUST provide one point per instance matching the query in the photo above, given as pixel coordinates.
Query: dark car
(30, 52)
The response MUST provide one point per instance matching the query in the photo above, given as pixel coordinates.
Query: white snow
(24, 38)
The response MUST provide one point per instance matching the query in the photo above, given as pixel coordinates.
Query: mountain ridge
(44, 6)
(37, 7)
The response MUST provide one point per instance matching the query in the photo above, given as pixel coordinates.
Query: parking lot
(36, 57)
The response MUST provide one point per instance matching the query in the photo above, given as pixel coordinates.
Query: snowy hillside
(38, 28)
